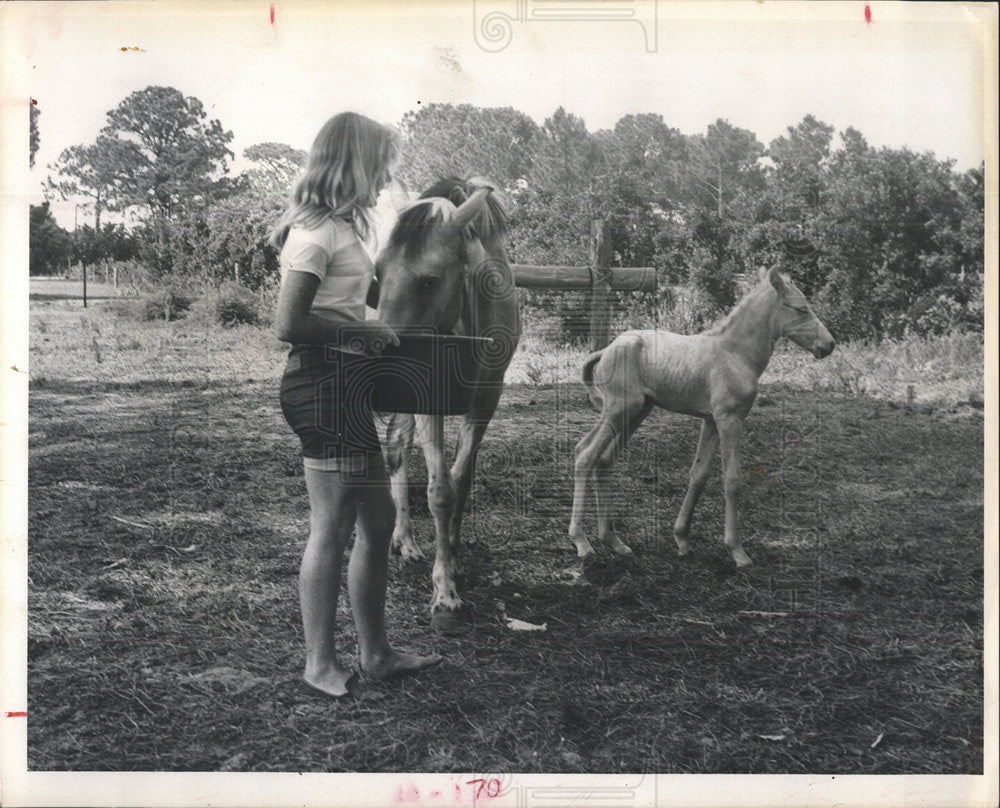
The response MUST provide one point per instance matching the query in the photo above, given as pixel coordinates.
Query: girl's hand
(368, 338)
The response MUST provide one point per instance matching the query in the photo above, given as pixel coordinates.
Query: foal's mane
(738, 309)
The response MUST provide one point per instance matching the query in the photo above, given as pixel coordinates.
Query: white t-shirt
(334, 254)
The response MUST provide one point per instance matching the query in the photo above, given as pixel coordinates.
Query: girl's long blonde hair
(350, 157)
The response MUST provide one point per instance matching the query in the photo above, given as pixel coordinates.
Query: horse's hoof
(450, 621)
(409, 552)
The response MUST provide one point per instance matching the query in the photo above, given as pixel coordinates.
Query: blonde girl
(326, 272)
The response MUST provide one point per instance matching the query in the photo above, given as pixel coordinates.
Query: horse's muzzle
(824, 349)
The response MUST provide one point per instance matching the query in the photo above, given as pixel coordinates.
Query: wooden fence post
(600, 285)
(84, 284)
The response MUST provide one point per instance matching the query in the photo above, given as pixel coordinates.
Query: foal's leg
(441, 500)
(628, 423)
(398, 440)
(588, 451)
(730, 430)
(708, 444)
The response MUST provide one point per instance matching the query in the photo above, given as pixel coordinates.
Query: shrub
(164, 304)
(235, 305)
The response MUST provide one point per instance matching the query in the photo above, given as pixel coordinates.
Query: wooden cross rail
(623, 279)
(600, 278)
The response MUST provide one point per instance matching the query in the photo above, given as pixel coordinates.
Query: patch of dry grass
(942, 372)
(167, 516)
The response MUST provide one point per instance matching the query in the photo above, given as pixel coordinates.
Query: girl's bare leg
(367, 575)
(333, 512)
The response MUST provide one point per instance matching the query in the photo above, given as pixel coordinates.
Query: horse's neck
(749, 332)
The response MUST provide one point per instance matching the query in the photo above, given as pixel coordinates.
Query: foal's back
(690, 374)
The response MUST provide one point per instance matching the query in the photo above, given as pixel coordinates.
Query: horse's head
(795, 318)
(421, 271)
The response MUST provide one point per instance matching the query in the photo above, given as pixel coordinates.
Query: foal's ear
(775, 278)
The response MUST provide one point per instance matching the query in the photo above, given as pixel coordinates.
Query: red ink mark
(868, 14)
(34, 102)
(408, 793)
(17, 715)
(491, 787)
(272, 13)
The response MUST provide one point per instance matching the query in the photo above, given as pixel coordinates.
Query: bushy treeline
(885, 241)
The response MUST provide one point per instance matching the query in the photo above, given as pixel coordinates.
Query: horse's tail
(588, 379)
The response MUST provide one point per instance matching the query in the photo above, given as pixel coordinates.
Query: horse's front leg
(730, 430)
(445, 603)
(470, 436)
(398, 440)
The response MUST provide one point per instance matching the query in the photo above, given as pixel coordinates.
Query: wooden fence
(600, 278)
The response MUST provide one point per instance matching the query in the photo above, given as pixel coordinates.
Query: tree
(800, 159)
(724, 162)
(157, 152)
(567, 156)
(49, 246)
(441, 140)
(112, 242)
(649, 157)
(165, 152)
(892, 241)
(86, 172)
(275, 168)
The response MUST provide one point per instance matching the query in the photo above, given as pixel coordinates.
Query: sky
(911, 76)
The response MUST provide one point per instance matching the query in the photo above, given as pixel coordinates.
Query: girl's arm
(294, 322)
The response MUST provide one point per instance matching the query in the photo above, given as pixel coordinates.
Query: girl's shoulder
(331, 234)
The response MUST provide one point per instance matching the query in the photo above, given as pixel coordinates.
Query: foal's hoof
(450, 621)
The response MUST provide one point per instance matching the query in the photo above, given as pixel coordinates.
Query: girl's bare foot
(397, 663)
(335, 682)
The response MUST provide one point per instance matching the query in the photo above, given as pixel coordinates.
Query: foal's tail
(588, 379)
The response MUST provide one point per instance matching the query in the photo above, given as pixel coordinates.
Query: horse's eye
(428, 284)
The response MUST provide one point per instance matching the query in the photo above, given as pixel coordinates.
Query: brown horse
(445, 266)
(712, 376)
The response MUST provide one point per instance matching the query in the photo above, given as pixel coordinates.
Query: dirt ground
(167, 521)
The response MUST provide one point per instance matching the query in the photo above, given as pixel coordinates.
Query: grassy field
(167, 517)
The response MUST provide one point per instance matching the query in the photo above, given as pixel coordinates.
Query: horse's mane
(490, 225)
(724, 323)
(409, 233)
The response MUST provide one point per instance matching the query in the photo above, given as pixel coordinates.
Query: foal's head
(422, 268)
(795, 318)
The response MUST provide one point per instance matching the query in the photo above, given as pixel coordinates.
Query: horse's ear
(775, 278)
(761, 273)
(468, 210)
